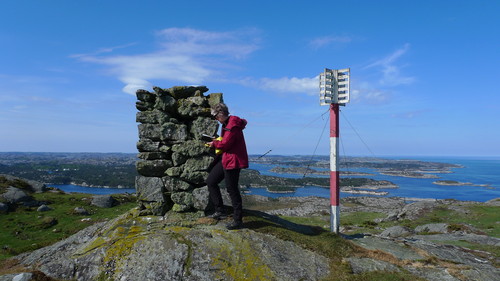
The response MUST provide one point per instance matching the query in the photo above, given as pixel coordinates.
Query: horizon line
(277, 155)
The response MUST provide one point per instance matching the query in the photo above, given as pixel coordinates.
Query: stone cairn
(173, 158)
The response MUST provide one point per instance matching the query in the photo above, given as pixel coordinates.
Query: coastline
(411, 174)
(456, 183)
(92, 186)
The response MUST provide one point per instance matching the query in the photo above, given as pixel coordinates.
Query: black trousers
(231, 178)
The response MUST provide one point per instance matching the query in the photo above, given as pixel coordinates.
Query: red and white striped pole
(334, 172)
(334, 87)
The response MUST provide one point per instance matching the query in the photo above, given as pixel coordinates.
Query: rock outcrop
(423, 250)
(174, 247)
(18, 192)
(173, 158)
(30, 185)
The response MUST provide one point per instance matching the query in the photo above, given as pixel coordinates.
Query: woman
(228, 167)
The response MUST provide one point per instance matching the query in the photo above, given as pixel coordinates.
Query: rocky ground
(426, 250)
(189, 247)
(173, 248)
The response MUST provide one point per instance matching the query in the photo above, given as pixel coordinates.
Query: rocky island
(309, 171)
(391, 167)
(457, 183)
(408, 174)
(254, 179)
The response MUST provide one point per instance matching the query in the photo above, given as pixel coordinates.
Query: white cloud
(103, 51)
(366, 93)
(237, 44)
(391, 74)
(409, 115)
(305, 85)
(369, 95)
(134, 84)
(324, 41)
(185, 55)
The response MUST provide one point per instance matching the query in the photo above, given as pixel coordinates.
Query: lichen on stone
(172, 122)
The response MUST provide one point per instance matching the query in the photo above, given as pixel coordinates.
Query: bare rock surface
(409, 252)
(432, 227)
(360, 265)
(407, 247)
(397, 231)
(164, 248)
(470, 237)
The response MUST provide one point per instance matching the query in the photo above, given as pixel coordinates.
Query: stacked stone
(173, 158)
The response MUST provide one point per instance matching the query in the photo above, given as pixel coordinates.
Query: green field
(26, 229)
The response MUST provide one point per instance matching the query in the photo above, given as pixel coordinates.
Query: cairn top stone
(181, 92)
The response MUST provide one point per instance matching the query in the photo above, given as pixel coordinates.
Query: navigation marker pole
(334, 91)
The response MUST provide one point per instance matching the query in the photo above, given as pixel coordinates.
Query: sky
(424, 74)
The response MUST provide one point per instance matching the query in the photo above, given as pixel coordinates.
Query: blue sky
(424, 74)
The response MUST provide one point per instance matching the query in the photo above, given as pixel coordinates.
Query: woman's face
(221, 117)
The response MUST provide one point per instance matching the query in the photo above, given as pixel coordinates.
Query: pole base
(334, 219)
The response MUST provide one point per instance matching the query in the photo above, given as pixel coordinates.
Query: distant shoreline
(457, 183)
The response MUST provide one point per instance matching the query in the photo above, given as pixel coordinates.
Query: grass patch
(482, 217)
(27, 229)
(360, 218)
(322, 222)
(485, 218)
(266, 205)
(360, 222)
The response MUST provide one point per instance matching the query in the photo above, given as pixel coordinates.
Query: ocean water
(478, 171)
(91, 190)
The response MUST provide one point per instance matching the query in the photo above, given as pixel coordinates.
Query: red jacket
(234, 149)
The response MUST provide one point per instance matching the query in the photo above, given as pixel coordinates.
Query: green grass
(361, 222)
(485, 218)
(360, 218)
(323, 221)
(26, 229)
(482, 217)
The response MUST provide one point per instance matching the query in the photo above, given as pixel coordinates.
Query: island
(457, 183)
(309, 171)
(254, 179)
(391, 167)
(408, 174)
(118, 170)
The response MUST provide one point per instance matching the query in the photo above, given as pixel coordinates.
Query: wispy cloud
(191, 42)
(391, 73)
(324, 41)
(304, 85)
(364, 94)
(409, 114)
(103, 51)
(185, 55)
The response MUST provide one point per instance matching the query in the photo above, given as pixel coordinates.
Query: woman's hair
(220, 107)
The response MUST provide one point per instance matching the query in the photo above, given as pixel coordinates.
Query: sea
(72, 188)
(482, 172)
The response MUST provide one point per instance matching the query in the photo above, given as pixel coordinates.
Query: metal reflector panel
(334, 86)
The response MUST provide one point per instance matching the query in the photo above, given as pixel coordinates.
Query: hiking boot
(234, 225)
(217, 216)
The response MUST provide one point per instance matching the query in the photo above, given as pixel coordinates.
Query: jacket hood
(235, 121)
